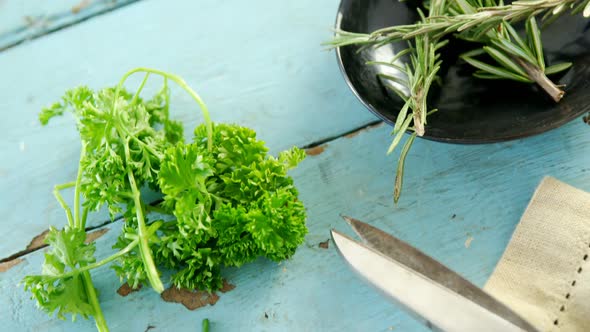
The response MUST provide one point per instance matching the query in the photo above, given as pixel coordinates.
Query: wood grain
(452, 193)
(257, 65)
(261, 66)
(25, 20)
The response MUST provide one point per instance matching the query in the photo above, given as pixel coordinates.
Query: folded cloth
(543, 274)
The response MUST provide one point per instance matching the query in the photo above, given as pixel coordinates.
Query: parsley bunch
(228, 201)
(233, 202)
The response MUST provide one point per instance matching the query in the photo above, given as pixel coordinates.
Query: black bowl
(471, 110)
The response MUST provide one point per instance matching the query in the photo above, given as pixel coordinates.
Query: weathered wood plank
(261, 66)
(452, 193)
(25, 20)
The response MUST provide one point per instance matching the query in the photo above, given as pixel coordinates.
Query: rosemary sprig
(417, 78)
(480, 21)
(519, 60)
(420, 74)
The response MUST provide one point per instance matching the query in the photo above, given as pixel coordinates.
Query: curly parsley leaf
(233, 203)
(54, 290)
(108, 120)
(291, 158)
(130, 267)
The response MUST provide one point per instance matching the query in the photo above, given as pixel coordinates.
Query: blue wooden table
(259, 64)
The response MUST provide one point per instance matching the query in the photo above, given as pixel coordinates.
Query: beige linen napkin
(544, 273)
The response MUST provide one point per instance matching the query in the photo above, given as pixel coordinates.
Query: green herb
(484, 18)
(415, 80)
(205, 325)
(228, 201)
(64, 287)
(513, 57)
(506, 55)
(233, 202)
(519, 60)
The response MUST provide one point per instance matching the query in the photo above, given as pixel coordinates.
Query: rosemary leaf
(496, 70)
(399, 175)
(402, 95)
(401, 117)
(439, 45)
(399, 80)
(514, 35)
(557, 68)
(487, 76)
(580, 6)
(472, 53)
(535, 39)
(558, 9)
(505, 60)
(466, 7)
(512, 48)
(388, 64)
(401, 53)
(400, 134)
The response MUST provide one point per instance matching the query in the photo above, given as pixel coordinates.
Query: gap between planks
(75, 10)
(38, 241)
(349, 134)
(312, 149)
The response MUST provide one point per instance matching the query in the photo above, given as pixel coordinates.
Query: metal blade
(423, 268)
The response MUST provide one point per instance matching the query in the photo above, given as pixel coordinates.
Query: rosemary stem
(537, 75)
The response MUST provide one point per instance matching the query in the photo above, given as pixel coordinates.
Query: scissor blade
(437, 305)
(420, 264)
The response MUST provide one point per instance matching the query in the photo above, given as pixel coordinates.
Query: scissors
(439, 297)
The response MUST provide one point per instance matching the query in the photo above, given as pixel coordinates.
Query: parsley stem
(139, 141)
(144, 248)
(84, 217)
(180, 81)
(77, 221)
(99, 320)
(95, 265)
(140, 88)
(65, 185)
(205, 327)
(61, 201)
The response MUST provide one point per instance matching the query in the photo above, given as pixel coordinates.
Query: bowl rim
(452, 140)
